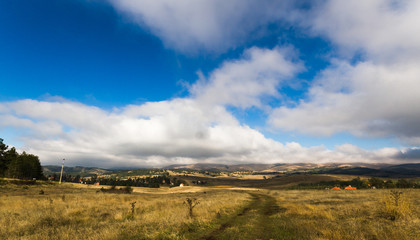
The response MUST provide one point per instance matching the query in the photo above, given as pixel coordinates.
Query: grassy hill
(361, 169)
(78, 170)
(368, 170)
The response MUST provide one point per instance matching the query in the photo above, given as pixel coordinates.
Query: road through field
(255, 221)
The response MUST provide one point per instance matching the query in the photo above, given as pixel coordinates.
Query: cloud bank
(158, 134)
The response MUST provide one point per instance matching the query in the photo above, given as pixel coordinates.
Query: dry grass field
(360, 214)
(76, 211)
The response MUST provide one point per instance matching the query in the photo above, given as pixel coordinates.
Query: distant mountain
(408, 166)
(78, 170)
(199, 167)
(412, 168)
(280, 167)
(222, 167)
(362, 169)
(394, 171)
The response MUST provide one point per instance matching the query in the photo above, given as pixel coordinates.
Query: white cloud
(210, 25)
(242, 83)
(375, 97)
(163, 131)
(366, 99)
(156, 134)
(385, 31)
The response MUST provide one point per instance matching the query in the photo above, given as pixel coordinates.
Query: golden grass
(361, 214)
(75, 211)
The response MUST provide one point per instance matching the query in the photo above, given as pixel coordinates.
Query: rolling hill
(360, 169)
(78, 170)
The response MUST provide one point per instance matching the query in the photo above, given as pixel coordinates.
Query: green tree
(25, 166)
(9, 156)
(390, 184)
(403, 183)
(3, 164)
(376, 182)
(357, 182)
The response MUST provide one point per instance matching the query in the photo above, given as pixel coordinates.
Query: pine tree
(3, 165)
(24, 166)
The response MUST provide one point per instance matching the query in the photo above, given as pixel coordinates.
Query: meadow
(77, 211)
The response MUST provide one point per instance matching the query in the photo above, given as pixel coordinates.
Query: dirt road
(255, 221)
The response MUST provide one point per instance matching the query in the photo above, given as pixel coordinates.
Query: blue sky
(148, 83)
(81, 50)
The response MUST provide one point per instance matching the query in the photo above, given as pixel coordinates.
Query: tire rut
(264, 204)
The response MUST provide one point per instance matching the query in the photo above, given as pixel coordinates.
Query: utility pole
(62, 167)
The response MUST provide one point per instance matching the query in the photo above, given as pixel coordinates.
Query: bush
(128, 189)
(113, 189)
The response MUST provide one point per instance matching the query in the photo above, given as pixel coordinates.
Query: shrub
(191, 203)
(128, 189)
(113, 189)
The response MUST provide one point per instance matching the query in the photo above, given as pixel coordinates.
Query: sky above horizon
(126, 83)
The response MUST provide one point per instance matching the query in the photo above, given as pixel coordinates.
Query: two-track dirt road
(255, 221)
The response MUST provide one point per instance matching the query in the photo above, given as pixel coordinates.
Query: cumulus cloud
(242, 83)
(150, 134)
(375, 96)
(156, 134)
(411, 154)
(366, 99)
(385, 30)
(209, 25)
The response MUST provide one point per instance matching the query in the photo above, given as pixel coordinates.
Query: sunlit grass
(71, 212)
(363, 214)
(75, 211)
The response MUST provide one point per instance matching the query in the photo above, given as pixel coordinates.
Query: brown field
(76, 211)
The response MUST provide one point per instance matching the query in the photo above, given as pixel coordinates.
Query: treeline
(373, 182)
(151, 182)
(67, 178)
(15, 165)
(139, 172)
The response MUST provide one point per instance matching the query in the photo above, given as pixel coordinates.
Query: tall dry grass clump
(395, 205)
